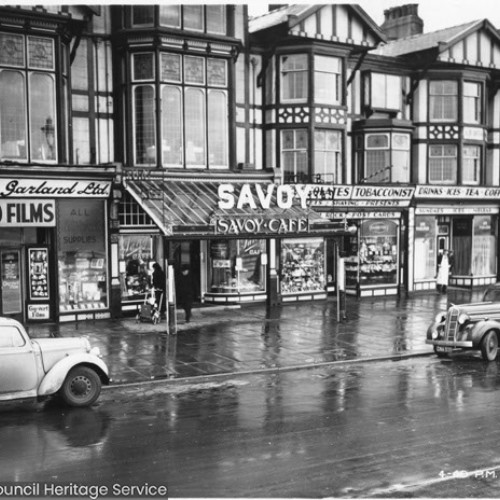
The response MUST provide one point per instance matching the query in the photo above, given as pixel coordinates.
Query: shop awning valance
(186, 207)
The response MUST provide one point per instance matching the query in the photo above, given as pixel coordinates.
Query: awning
(187, 207)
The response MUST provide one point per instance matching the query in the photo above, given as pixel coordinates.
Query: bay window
(294, 155)
(443, 163)
(28, 126)
(327, 81)
(443, 100)
(383, 92)
(204, 18)
(471, 161)
(472, 103)
(327, 155)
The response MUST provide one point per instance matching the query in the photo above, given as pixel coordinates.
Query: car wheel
(489, 346)
(81, 387)
(440, 354)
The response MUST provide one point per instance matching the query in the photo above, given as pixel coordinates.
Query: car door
(18, 368)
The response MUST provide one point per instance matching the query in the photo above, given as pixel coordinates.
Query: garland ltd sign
(52, 188)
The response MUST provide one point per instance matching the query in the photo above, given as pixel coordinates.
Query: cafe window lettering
(237, 266)
(136, 262)
(83, 278)
(302, 265)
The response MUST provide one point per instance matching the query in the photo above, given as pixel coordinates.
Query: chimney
(402, 22)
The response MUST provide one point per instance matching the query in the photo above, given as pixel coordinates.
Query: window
(471, 162)
(443, 101)
(28, 128)
(472, 102)
(327, 155)
(327, 71)
(194, 111)
(205, 18)
(385, 92)
(400, 165)
(294, 78)
(142, 15)
(443, 164)
(11, 337)
(294, 156)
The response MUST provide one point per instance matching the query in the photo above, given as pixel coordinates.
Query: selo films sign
(26, 213)
(263, 198)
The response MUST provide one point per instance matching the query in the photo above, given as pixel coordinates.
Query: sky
(436, 14)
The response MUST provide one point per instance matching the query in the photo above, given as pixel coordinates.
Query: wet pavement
(250, 339)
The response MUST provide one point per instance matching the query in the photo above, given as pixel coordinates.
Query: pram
(150, 310)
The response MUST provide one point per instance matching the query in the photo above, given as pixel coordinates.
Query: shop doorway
(186, 253)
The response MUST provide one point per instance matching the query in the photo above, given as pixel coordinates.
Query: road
(380, 429)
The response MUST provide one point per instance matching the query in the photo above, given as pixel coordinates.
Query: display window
(302, 266)
(136, 259)
(425, 248)
(378, 253)
(83, 276)
(484, 249)
(237, 266)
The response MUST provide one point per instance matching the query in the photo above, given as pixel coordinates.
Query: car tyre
(81, 387)
(489, 346)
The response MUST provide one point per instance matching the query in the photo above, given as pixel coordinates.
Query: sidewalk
(249, 338)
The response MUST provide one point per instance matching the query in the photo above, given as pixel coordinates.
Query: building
(266, 154)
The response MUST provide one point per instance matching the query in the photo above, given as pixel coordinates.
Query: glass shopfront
(237, 266)
(82, 261)
(302, 266)
(425, 248)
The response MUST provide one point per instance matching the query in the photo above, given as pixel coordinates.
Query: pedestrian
(185, 291)
(159, 288)
(443, 272)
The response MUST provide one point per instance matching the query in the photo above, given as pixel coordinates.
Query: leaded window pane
(144, 120)
(194, 70)
(170, 15)
(42, 116)
(143, 66)
(217, 72)
(216, 19)
(377, 141)
(294, 156)
(40, 53)
(294, 77)
(217, 131)
(171, 68)
(13, 116)
(172, 126)
(193, 17)
(195, 113)
(327, 155)
(12, 50)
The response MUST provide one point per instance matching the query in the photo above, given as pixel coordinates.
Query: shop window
(472, 100)
(136, 262)
(443, 101)
(294, 156)
(238, 266)
(442, 164)
(294, 75)
(383, 92)
(144, 124)
(327, 80)
(82, 261)
(484, 249)
(327, 156)
(28, 128)
(378, 253)
(471, 164)
(302, 265)
(194, 105)
(425, 248)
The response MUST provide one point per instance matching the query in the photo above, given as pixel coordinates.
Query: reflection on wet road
(352, 431)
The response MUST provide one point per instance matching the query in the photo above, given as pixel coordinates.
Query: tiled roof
(277, 17)
(425, 41)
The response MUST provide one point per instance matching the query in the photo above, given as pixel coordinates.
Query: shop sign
(38, 311)
(458, 192)
(25, 188)
(20, 213)
(260, 226)
(221, 264)
(366, 215)
(455, 210)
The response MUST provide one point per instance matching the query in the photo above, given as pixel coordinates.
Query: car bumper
(446, 343)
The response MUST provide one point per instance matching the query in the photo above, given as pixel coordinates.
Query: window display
(136, 265)
(302, 265)
(425, 248)
(39, 273)
(237, 266)
(83, 277)
(484, 249)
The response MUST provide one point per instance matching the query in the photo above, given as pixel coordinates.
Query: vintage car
(41, 367)
(474, 326)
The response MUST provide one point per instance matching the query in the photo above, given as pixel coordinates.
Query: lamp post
(49, 133)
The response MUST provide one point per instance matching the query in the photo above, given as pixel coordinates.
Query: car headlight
(463, 318)
(440, 317)
(434, 334)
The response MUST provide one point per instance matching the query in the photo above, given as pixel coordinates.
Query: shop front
(53, 249)
(464, 220)
(245, 241)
